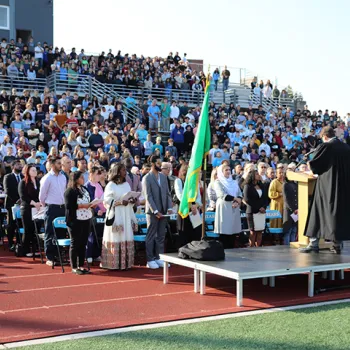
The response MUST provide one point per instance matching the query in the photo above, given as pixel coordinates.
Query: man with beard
(11, 182)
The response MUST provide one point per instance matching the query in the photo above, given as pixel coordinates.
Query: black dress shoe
(12, 248)
(335, 250)
(309, 250)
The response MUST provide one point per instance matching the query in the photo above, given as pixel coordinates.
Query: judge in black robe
(329, 211)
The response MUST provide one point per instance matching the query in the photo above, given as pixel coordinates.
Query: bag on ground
(206, 250)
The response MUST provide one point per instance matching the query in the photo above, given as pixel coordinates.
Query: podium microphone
(305, 156)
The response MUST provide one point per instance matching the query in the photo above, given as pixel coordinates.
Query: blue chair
(140, 239)
(60, 223)
(141, 221)
(274, 214)
(18, 218)
(209, 223)
(16, 214)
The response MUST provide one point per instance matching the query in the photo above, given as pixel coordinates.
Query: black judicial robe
(329, 214)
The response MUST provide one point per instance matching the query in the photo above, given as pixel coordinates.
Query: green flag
(200, 150)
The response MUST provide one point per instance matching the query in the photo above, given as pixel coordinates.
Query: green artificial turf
(316, 328)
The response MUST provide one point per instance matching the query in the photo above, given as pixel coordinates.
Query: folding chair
(40, 236)
(3, 224)
(97, 224)
(271, 215)
(60, 223)
(209, 223)
(16, 214)
(140, 238)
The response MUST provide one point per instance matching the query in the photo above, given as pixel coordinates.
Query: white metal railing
(83, 84)
(245, 96)
(8, 83)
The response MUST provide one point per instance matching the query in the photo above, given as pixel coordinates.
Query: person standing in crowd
(66, 166)
(118, 239)
(166, 168)
(227, 215)
(329, 215)
(225, 78)
(78, 219)
(211, 190)
(82, 166)
(28, 190)
(154, 116)
(255, 198)
(131, 179)
(178, 136)
(158, 203)
(11, 182)
(187, 232)
(165, 110)
(290, 207)
(95, 189)
(275, 193)
(51, 195)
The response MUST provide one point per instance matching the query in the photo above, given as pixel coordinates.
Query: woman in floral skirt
(118, 239)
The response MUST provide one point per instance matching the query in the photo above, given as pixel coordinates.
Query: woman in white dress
(118, 239)
(229, 197)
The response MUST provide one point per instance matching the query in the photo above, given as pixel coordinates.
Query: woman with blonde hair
(72, 140)
(53, 152)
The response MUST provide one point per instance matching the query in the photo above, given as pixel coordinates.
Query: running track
(37, 302)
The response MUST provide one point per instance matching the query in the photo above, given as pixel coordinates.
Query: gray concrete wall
(31, 15)
(37, 16)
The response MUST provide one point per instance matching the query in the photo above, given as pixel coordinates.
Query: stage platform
(265, 262)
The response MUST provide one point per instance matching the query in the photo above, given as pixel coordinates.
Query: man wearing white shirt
(62, 101)
(190, 116)
(104, 113)
(265, 147)
(174, 111)
(250, 131)
(39, 53)
(109, 107)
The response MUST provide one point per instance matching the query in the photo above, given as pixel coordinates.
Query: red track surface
(38, 302)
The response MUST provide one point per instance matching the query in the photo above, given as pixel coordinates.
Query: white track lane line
(46, 307)
(92, 284)
(164, 324)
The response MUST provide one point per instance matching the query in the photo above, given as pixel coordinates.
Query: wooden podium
(306, 185)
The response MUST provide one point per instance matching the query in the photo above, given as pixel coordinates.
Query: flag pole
(204, 195)
(205, 172)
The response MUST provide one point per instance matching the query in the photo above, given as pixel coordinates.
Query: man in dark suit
(158, 203)
(11, 182)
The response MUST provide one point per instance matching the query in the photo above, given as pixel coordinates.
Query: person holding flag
(200, 151)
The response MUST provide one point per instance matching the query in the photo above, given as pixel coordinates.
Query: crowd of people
(32, 60)
(79, 156)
